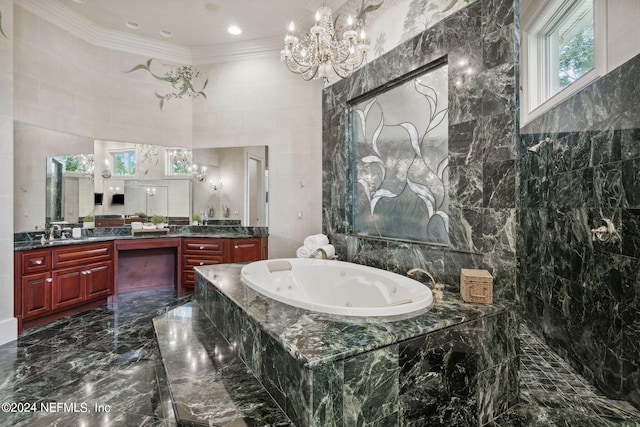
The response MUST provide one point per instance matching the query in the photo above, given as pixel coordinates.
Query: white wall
(8, 324)
(63, 83)
(623, 31)
(259, 102)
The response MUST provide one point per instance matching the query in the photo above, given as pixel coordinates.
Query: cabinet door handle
(84, 272)
(38, 262)
(236, 246)
(201, 247)
(201, 263)
(49, 280)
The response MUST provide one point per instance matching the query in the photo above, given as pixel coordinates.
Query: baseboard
(8, 330)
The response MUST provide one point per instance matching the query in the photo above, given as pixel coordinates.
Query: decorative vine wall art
(181, 79)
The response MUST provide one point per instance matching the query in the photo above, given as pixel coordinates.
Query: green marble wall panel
(480, 46)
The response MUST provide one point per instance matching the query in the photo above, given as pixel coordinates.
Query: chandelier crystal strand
(323, 52)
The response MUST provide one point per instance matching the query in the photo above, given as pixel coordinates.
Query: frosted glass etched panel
(400, 146)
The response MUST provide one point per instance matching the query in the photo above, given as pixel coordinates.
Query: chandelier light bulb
(292, 27)
(349, 21)
(317, 15)
(363, 36)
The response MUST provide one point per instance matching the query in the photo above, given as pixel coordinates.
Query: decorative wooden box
(476, 286)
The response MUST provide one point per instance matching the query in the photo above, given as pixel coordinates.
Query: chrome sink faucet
(438, 288)
(52, 231)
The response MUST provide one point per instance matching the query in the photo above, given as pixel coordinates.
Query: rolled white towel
(330, 250)
(303, 252)
(315, 241)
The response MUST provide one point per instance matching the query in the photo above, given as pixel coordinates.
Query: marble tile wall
(480, 44)
(583, 296)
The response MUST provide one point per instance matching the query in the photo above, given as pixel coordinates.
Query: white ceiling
(199, 27)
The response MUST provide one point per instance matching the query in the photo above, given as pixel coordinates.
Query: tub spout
(438, 288)
(319, 251)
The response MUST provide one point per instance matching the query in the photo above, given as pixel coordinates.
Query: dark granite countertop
(29, 240)
(315, 338)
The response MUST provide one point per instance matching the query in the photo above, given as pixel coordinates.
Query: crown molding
(242, 50)
(83, 28)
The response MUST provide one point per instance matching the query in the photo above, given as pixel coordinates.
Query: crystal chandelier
(181, 157)
(324, 52)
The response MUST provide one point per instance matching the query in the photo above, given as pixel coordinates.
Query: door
(68, 287)
(36, 295)
(99, 278)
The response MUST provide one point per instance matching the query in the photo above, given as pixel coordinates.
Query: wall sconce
(198, 173)
(214, 186)
(151, 191)
(106, 171)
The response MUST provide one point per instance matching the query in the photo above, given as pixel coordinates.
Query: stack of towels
(313, 243)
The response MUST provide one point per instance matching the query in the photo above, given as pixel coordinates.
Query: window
(562, 52)
(124, 163)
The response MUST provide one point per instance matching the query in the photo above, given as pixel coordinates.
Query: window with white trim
(124, 163)
(562, 52)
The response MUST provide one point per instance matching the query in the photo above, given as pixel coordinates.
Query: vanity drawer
(82, 254)
(194, 246)
(36, 261)
(191, 261)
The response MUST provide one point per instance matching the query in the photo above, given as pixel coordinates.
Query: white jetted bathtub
(336, 287)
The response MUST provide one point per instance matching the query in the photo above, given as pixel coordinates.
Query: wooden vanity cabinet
(197, 251)
(52, 283)
(57, 281)
(71, 286)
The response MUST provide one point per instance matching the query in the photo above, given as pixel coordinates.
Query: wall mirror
(69, 187)
(116, 180)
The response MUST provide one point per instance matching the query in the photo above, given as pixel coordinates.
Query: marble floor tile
(103, 358)
(553, 394)
(109, 356)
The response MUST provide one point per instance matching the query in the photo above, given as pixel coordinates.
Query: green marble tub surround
(329, 370)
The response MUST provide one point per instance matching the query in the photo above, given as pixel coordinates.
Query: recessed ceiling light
(166, 33)
(235, 30)
(133, 25)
